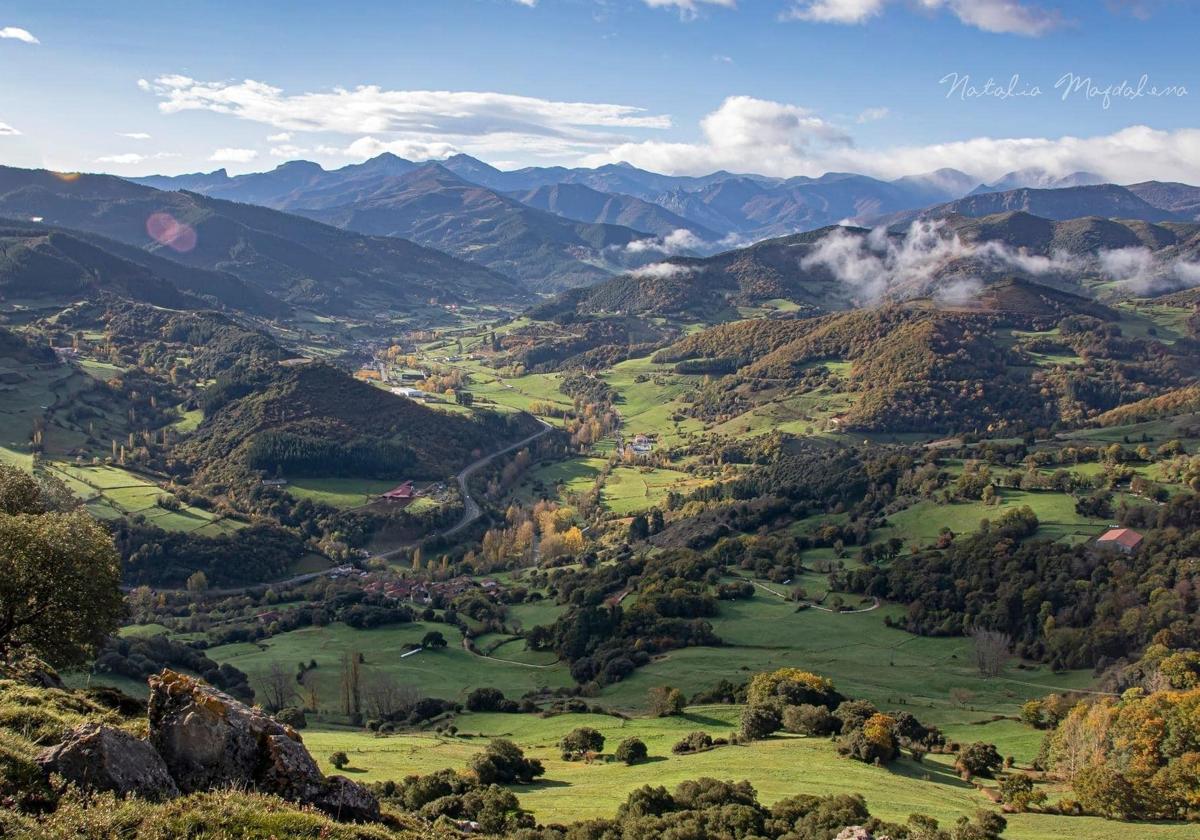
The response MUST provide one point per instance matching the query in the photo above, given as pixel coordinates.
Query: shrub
(339, 759)
(759, 722)
(489, 700)
(631, 751)
(807, 719)
(504, 763)
(694, 742)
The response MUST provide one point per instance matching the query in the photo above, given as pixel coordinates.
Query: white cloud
(835, 11)
(281, 137)
(689, 9)
(1003, 16)
(16, 33)
(676, 242)
(134, 135)
(771, 138)
(7, 130)
(482, 122)
(1188, 274)
(661, 271)
(129, 158)
(288, 151)
(1133, 267)
(873, 115)
(233, 155)
(528, 3)
(369, 147)
(123, 160)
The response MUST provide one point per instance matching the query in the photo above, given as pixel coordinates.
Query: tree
(1017, 790)
(19, 492)
(339, 759)
(504, 763)
(631, 751)
(278, 687)
(60, 594)
(433, 640)
(991, 650)
(351, 685)
(979, 759)
(639, 528)
(384, 698)
(580, 741)
(665, 701)
(197, 582)
(311, 690)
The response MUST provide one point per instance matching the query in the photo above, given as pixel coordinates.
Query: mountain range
(556, 227)
(295, 261)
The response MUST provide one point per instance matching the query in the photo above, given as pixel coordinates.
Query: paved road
(471, 509)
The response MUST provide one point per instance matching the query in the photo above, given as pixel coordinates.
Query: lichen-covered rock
(210, 740)
(99, 757)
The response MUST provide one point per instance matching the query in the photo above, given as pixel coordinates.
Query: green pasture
(339, 492)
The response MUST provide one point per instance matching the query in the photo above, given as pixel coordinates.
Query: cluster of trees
(1136, 757)
(1072, 606)
(449, 794)
(804, 703)
(711, 808)
(168, 558)
(138, 657)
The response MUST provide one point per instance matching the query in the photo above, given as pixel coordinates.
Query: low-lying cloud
(930, 259)
(661, 271)
(683, 241)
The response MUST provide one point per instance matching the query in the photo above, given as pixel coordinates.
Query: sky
(780, 87)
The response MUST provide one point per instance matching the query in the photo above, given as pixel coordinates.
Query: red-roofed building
(404, 493)
(1124, 540)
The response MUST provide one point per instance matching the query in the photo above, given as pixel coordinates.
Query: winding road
(471, 509)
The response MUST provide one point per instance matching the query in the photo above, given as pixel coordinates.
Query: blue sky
(778, 86)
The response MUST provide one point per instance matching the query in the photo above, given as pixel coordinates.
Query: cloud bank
(476, 120)
(773, 138)
(930, 259)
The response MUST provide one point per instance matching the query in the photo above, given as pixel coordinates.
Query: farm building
(403, 494)
(1123, 540)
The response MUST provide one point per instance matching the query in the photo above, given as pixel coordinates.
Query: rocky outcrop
(98, 757)
(209, 740)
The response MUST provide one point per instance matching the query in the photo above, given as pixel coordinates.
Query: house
(404, 493)
(274, 482)
(1123, 540)
(410, 393)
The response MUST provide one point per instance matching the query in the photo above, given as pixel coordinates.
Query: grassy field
(450, 673)
(777, 767)
(110, 492)
(631, 490)
(863, 657)
(339, 492)
(920, 524)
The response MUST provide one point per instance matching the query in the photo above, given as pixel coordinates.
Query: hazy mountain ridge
(296, 260)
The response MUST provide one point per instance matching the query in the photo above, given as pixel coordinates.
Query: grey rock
(210, 740)
(98, 757)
